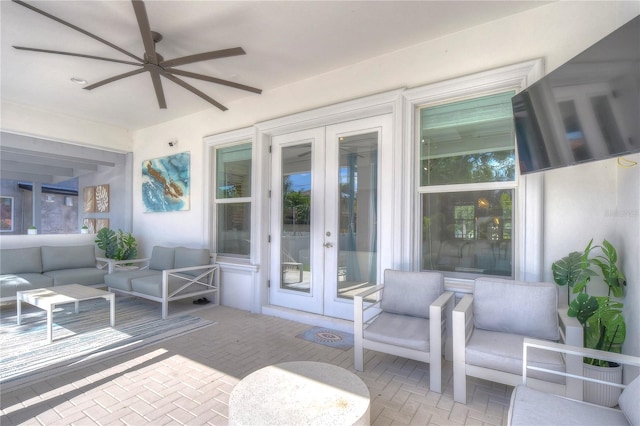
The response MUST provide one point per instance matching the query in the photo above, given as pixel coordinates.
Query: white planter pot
(597, 393)
(32, 231)
(84, 231)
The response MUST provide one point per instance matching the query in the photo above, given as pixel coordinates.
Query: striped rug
(79, 339)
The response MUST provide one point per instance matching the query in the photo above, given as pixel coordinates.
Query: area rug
(324, 336)
(79, 339)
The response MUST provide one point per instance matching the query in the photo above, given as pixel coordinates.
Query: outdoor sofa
(31, 268)
(172, 273)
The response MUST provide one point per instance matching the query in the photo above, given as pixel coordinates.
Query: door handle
(328, 245)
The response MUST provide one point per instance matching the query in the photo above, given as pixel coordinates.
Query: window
(467, 186)
(232, 200)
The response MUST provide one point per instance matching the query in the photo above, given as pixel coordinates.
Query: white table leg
(112, 308)
(19, 308)
(50, 324)
(77, 306)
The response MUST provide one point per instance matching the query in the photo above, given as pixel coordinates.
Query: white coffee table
(300, 393)
(48, 298)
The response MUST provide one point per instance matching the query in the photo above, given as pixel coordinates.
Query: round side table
(300, 393)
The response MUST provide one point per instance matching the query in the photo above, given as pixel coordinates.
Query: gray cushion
(629, 401)
(187, 257)
(68, 257)
(22, 260)
(517, 307)
(152, 285)
(399, 330)
(534, 407)
(122, 280)
(84, 276)
(410, 293)
(162, 258)
(503, 352)
(11, 283)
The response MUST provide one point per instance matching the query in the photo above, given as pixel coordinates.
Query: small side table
(300, 393)
(113, 265)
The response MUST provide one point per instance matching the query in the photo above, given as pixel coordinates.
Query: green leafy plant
(117, 245)
(601, 316)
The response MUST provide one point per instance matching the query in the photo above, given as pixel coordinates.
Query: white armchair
(490, 325)
(533, 407)
(407, 316)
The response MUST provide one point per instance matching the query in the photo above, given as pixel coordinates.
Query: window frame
(213, 145)
(528, 201)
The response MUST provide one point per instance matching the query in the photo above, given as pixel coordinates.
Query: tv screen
(587, 109)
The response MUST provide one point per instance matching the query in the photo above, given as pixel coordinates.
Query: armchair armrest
(205, 278)
(112, 265)
(440, 320)
(576, 351)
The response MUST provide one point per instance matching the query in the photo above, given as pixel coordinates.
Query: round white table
(300, 393)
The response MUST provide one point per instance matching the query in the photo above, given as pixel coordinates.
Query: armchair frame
(367, 309)
(463, 326)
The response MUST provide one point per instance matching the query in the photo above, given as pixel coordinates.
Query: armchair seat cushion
(399, 330)
(152, 285)
(122, 280)
(503, 352)
(534, 407)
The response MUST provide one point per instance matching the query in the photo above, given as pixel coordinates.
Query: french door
(325, 210)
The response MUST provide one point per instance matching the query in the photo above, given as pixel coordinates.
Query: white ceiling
(285, 41)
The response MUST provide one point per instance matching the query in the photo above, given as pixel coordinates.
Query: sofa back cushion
(410, 293)
(187, 257)
(162, 258)
(517, 307)
(55, 258)
(20, 261)
(628, 401)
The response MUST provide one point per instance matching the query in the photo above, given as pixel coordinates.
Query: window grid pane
(233, 200)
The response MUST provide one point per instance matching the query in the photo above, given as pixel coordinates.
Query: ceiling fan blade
(80, 55)
(213, 80)
(145, 31)
(93, 36)
(114, 78)
(193, 90)
(224, 53)
(157, 85)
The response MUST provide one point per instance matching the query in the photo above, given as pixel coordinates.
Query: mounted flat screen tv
(586, 110)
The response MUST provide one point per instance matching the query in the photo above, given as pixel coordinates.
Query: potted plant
(601, 316)
(117, 245)
(84, 229)
(32, 230)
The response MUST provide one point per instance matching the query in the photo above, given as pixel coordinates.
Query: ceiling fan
(152, 62)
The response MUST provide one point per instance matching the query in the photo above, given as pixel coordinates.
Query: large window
(232, 200)
(467, 186)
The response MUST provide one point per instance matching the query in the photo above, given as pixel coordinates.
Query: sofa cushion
(122, 280)
(10, 283)
(534, 407)
(423, 288)
(400, 330)
(21, 260)
(84, 276)
(68, 257)
(628, 401)
(188, 257)
(503, 352)
(162, 258)
(517, 307)
(152, 285)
